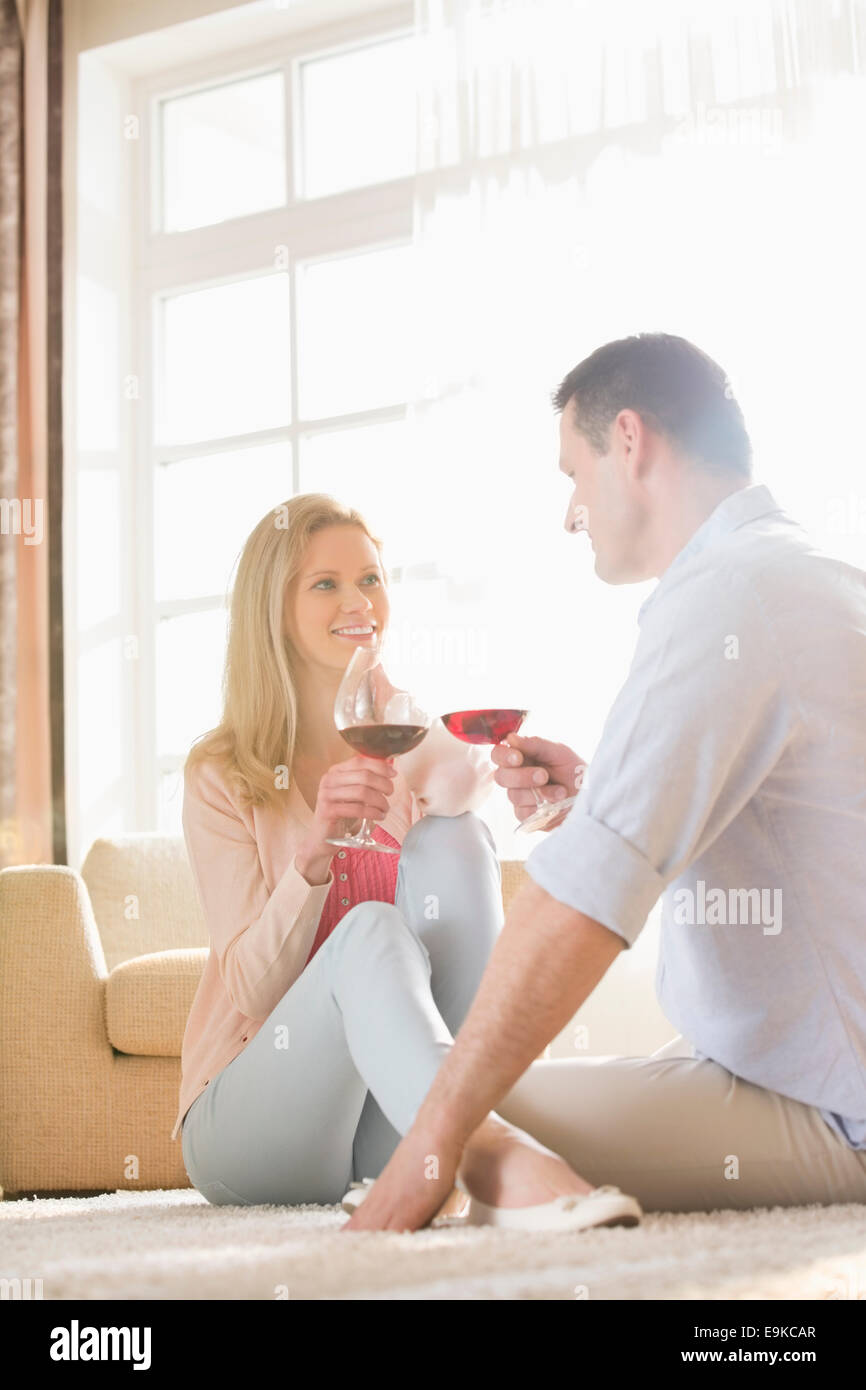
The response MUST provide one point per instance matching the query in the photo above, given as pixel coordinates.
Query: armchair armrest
(55, 1058)
(148, 1000)
(52, 966)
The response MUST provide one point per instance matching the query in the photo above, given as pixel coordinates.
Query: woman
(336, 978)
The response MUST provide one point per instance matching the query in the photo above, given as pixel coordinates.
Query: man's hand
(553, 768)
(415, 1182)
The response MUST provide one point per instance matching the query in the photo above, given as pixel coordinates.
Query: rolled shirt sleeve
(702, 720)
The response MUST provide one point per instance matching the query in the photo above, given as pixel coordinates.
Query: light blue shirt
(730, 778)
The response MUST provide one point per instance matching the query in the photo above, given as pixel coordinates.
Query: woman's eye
(329, 583)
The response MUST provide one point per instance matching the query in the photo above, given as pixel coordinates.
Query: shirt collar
(735, 510)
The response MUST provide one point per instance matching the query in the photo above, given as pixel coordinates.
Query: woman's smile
(359, 633)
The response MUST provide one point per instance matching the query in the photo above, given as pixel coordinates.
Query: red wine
(484, 725)
(383, 740)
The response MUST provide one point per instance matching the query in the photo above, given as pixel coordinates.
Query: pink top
(265, 921)
(363, 876)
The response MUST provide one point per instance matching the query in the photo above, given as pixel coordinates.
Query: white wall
(100, 689)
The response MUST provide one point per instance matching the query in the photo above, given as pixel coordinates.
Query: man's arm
(547, 960)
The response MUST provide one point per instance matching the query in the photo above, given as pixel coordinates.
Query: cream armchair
(98, 970)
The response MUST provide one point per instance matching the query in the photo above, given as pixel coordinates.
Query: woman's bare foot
(505, 1167)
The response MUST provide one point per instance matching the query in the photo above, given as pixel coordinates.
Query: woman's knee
(371, 914)
(376, 919)
(451, 833)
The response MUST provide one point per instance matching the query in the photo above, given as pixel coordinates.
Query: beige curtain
(32, 815)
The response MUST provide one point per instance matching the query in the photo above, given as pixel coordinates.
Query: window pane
(369, 469)
(225, 367)
(223, 152)
(205, 508)
(354, 332)
(358, 113)
(190, 652)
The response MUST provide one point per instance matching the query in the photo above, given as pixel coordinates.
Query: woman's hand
(349, 791)
(553, 768)
(447, 776)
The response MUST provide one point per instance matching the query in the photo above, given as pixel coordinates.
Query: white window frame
(366, 218)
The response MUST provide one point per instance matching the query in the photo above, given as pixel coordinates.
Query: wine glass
(493, 726)
(377, 720)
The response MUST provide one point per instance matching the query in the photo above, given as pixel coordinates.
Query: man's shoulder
(773, 574)
(783, 571)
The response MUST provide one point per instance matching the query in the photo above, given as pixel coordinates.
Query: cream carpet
(175, 1245)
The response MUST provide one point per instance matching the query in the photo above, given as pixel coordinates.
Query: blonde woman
(331, 993)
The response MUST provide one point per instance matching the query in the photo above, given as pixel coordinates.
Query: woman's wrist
(314, 864)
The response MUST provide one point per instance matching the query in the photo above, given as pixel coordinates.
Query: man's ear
(634, 437)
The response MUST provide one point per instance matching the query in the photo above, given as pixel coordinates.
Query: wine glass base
(542, 817)
(356, 843)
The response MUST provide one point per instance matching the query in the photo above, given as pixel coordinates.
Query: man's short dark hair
(673, 385)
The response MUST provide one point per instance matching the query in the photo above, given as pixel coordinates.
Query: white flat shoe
(603, 1206)
(356, 1194)
(358, 1191)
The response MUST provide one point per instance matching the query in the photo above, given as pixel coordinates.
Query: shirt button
(345, 902)
(341, 854)
(343, 877)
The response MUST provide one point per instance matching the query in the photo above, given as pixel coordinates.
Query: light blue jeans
(369, 1022)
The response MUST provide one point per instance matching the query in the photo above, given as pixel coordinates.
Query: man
(731, 779)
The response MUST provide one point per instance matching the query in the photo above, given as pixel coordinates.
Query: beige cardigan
(261, 914)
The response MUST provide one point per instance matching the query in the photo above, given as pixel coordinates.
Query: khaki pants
(681, 1134)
